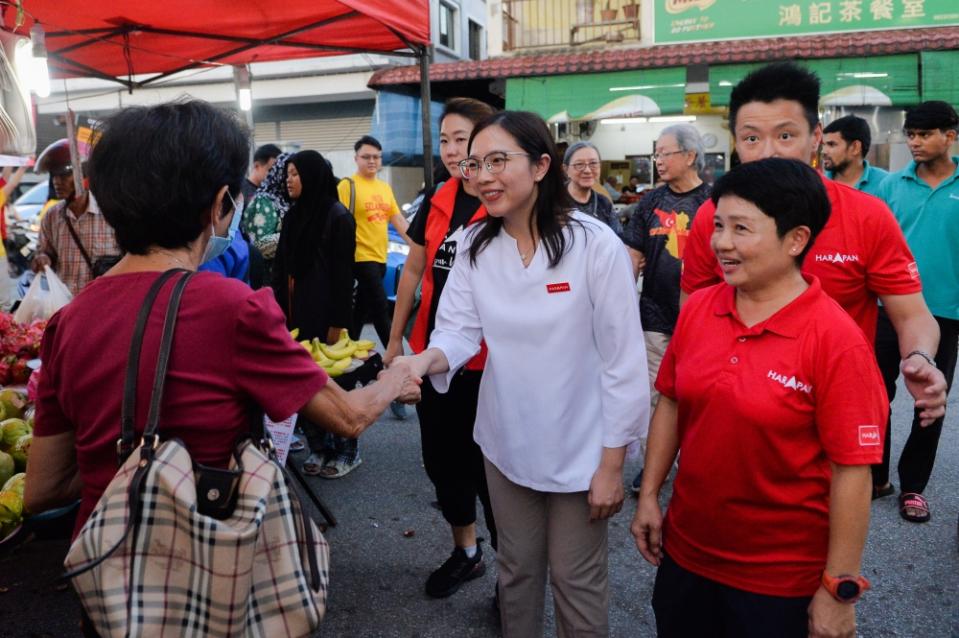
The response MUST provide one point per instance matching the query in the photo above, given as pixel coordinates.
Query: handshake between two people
(408, 372)
(405, 384)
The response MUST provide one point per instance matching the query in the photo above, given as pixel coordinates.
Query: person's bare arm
(638, 259)
(849, 499)
(661, 450)
(13, 179)
(401, 225)
(347, 414)
(52, 476)
(918, 331)
(405, 292)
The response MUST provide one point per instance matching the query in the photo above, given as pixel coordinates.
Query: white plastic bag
(46, 295)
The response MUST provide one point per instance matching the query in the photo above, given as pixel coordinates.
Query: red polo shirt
(762, 413)
(859, 255)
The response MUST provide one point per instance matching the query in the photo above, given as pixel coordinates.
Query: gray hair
(575, 148)
(688, 139)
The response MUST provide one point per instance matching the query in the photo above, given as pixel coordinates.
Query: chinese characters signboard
(689, 20)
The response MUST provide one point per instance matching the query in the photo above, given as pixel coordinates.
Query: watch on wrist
(924, 355)
(845, 588)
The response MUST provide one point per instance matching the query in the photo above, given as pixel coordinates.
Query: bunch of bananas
(335, 359)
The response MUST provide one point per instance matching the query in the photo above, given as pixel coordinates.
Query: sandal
(914, 501)
(338, 468)
(314, 464)
(297, 444)
(881, 491)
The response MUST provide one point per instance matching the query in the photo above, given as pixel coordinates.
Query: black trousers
(453, 460)
(687, 605)
(919, 454)
(370, 303)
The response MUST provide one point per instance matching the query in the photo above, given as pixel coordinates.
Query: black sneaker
(457, 569)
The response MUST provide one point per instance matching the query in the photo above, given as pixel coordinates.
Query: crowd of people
(536, 361)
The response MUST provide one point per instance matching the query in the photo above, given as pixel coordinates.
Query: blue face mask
(218, 245)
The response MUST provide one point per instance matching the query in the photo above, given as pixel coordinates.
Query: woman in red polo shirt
(772, 393)
(453, 461)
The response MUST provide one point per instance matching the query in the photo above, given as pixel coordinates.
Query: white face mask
(218, 245)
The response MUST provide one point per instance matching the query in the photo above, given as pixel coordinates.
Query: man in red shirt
(861, 254)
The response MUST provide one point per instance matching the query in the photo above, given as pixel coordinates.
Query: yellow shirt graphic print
(373, 207)
(676, 227)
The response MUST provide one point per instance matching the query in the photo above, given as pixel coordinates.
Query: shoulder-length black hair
(551, 210)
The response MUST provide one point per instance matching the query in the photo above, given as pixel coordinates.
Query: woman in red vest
(452, 459)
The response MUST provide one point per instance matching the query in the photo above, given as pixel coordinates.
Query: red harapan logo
(869, 435)
(554, 288)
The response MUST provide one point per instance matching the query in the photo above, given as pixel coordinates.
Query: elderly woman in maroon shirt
(168, 181)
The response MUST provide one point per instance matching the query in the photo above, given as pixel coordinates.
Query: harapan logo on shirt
(676, 228)
(869, 435)
(560, 287)
(838, 258)
(789, 382)
(913, 270)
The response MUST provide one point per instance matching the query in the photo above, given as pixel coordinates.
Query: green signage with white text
(691, 20)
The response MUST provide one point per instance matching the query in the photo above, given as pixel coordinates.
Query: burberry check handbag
(178, 549)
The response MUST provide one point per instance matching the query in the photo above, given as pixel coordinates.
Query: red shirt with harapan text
(763, 411)
(860, 254)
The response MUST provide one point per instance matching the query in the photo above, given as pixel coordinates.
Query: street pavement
(389, 538)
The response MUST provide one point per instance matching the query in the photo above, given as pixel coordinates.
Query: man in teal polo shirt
(924, 197)
(845, 143)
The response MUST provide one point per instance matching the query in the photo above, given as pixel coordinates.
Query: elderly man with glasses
(656, 235)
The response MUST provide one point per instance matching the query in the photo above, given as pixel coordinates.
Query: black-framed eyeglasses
(664, 155)
(494, 162)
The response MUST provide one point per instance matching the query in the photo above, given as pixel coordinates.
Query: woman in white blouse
(565, 389)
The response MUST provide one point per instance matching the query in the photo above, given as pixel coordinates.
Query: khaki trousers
(540, 531)
(656, 343)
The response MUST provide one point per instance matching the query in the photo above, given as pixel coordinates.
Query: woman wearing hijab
(264, 215)
(313, 278)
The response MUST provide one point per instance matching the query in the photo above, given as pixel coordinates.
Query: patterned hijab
(273, 186)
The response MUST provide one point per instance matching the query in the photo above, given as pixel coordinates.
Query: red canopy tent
(137, 42)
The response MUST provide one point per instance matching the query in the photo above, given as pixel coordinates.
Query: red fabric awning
(110, 39)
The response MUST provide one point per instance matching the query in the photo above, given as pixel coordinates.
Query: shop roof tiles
(858, 44)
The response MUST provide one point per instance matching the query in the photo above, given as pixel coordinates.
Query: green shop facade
(622, 112)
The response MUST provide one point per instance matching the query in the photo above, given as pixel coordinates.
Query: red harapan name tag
(554, 288)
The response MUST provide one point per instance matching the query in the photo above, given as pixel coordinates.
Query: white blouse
(566, 374)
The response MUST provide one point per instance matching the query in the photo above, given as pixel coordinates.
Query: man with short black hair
(374, 207)
(924, 197)
(263, 159)
(845, 144)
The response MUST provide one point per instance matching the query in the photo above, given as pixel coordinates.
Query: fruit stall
(19, 348)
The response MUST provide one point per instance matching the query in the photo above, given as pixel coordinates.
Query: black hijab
(304, 227)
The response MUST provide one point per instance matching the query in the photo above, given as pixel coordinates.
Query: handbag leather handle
(163, 360)
(127, 442)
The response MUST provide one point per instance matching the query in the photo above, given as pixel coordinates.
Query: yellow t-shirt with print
(374, 206)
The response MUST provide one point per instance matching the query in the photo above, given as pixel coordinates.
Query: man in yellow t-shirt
(374, 207)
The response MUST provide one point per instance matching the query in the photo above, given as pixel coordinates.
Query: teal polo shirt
(930, 221)
(872, 177)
